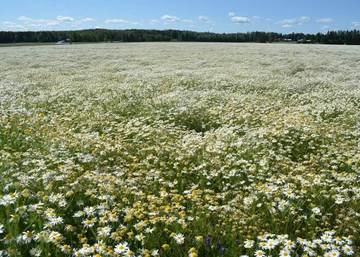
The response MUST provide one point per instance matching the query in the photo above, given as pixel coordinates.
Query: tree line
(137, 35)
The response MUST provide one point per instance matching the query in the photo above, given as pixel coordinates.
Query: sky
(308, 16)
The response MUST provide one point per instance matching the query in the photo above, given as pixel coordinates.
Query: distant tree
(132, 35)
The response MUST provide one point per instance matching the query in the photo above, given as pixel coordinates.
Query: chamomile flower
(316, 210)
(249, 244)
(122, 248)
(179, 238)
(259, 253)
(285, 253)
(347, 250)
(332, 253)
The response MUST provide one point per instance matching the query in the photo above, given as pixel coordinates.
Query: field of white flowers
(180, 149)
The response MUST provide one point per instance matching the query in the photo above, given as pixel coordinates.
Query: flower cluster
(112, 150)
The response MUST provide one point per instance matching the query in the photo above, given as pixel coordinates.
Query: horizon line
(183, 30)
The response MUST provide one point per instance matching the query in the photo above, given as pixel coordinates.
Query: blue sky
(199, 15)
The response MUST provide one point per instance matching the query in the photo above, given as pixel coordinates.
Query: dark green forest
(135, 35)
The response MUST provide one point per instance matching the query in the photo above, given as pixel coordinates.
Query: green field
(180, 149)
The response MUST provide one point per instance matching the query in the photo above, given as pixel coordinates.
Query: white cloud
(170, 18)
(154, 21)
(117, 21)
(9, 25)
(304, 19)
(29, 23)
(24, 18)
(39, 22)
(287, 26)
(120, 21)
(187, 21)
(355, 24)
(204, 19)
(290, 23)
(87, 19)
(325, 21)
(240, 20)
(65, 19)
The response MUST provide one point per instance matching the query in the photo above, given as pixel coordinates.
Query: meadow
(180, 149)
